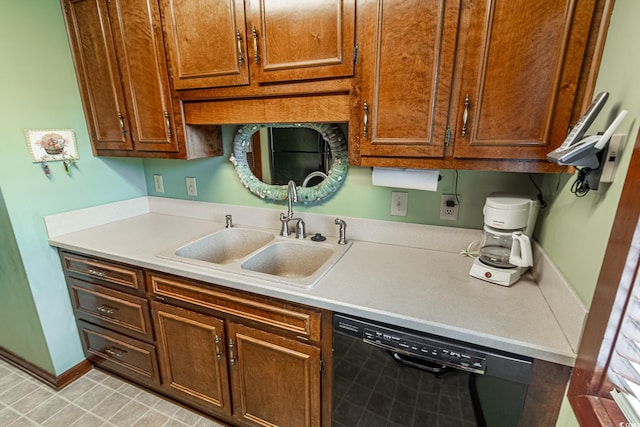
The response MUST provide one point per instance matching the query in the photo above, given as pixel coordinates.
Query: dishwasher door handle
(432, 367)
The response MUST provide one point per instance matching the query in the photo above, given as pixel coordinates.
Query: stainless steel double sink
(262, 254)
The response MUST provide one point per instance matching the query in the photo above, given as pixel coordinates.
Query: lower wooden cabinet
(275, 380)
(246, 359)
(193, 358)
(257, 377)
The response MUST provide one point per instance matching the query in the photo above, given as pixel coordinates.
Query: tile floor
(96, 399)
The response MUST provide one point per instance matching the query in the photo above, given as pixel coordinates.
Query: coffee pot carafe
(505, 249)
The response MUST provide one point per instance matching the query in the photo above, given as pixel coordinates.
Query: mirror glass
(313, 155)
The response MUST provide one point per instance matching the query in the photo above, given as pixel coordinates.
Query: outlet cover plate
(192, 190)
(449, 213)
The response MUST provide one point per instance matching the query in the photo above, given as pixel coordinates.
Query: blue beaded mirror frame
(336, 176)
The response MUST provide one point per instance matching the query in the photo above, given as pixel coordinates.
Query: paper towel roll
(416, 179)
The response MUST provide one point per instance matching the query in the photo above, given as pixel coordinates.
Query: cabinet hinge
(356, 50)
(447, 136)
(171, 73)
(321, 365)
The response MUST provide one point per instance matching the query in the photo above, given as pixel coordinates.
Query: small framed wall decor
(50, 145)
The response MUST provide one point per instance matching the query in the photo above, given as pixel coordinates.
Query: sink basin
(260, 254)
(225, 246)
(288, 259)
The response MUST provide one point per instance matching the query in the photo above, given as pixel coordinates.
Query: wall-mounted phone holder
(586, 153)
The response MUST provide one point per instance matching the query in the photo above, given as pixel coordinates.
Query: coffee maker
(505, 249)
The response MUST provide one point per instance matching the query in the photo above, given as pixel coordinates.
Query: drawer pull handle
(465, 115)
(105, 309)
(97, 273)
(167, 120)
(365, 120)
(218, 352)
(256, 55)
(123, 130)
(240, 54)
(115, 352)
(232, 357)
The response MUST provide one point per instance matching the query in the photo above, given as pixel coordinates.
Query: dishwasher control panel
(426, 348)
(434, 348)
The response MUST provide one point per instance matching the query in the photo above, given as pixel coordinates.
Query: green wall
(575, 231)
(25, 337)
(39, 91)
(217, 182)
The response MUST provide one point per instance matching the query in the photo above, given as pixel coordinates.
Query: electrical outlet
(191, 186)
(157, 182)
(449, 207)
(399, 203)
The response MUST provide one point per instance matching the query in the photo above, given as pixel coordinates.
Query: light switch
(157, 182)
(399, 203)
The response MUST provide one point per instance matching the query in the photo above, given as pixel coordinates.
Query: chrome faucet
(229, 221)
(292, 196)
(343, 231)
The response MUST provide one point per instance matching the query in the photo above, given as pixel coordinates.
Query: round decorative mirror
(313, 183)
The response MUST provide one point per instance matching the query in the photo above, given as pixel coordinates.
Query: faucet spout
(292, 196)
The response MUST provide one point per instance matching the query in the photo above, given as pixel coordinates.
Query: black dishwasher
(390, 376)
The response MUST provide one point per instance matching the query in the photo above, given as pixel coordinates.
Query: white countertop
(415, 287)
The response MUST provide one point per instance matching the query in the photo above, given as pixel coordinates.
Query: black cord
(581, 187)
(455, 188)
(543, 203)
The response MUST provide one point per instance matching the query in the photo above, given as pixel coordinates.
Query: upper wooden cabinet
(213, 44)
(469, 84)
(118, 49)
(519, 68)
(206, 41)
(305, 40)
(407, 65)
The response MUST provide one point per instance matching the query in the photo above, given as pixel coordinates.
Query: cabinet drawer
(103, 272)
(115, 310)
(298, 321)
(125, 356)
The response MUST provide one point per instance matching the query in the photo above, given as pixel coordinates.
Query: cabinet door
(192, 358)
(275, 380)
(407, 65)
(520, 67)
(207, 42)
(98, 75)
(301, 40)
(139, 47)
